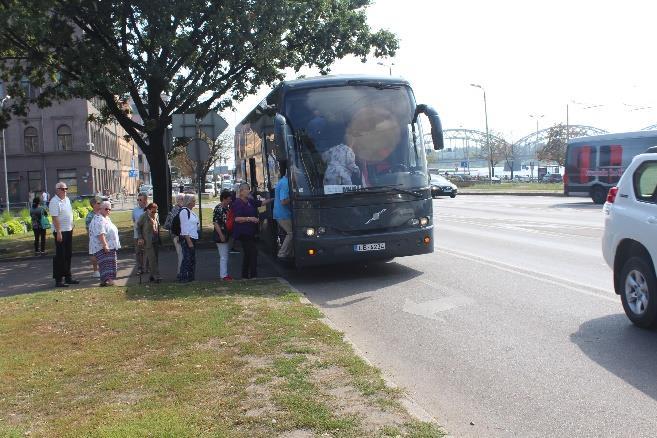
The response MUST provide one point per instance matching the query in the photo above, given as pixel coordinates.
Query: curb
(413, 408)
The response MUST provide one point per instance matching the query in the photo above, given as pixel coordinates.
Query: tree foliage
(555, 147)
(171, 56)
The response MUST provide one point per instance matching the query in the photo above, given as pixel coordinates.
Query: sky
(531, 57)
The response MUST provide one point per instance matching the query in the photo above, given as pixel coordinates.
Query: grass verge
(22, 245)
(515, 187)
(243, 359)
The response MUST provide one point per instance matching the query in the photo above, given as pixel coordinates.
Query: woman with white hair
(104, 242)
(189, 224)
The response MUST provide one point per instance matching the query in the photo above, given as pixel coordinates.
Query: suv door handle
(652, 220)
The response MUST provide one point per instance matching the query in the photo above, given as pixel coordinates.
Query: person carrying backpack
(188, 223)
(168, 224)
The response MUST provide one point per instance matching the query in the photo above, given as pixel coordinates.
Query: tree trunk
(157, 160)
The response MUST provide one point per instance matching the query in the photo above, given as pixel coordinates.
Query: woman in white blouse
(104, 242)
(189, 224)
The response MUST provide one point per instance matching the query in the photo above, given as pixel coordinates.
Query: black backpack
(175, 223)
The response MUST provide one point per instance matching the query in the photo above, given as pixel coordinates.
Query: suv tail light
(611, 196)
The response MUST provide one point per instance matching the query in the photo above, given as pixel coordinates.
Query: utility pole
(490, 152)
(4, 155)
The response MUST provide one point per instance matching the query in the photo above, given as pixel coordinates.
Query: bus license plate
(361, 247)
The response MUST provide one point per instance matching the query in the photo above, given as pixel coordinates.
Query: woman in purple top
(245, 211)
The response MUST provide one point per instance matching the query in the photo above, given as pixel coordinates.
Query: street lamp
(490, 152)
(4, 154)
(387, 65)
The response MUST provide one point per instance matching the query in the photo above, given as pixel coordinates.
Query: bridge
(470, 144)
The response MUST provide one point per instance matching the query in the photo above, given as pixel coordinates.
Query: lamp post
(490, 152)
(537, 117)
(387, 65)
(4, 154)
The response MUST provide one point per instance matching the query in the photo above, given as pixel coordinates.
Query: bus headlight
(414, 221)
(321, 230)
(310, 232)
(424, 221)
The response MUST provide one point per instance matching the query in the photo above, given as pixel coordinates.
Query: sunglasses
(107, 209)
(63, 188)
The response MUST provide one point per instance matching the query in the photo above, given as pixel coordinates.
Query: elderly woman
(104, 242)
(148, 237)
(245, 211)
(188, 236)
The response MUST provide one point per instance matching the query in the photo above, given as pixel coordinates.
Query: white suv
(629, 243)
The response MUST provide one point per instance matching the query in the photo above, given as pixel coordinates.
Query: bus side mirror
(280, 136)
(434, 121)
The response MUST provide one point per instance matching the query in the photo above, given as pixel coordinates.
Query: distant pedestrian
(148, 228)
(180, 197)
(45, 197)
(142, 201)
(188, 237)
(245, 210)
(95, 204)
(61, 212)
(105, 242)
(283, 212)
(221, 234)
(40, 224)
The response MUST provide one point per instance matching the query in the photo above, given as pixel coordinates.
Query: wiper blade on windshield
(375, 84)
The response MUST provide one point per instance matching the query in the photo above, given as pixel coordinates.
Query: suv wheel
(639, 292)
(599, 195)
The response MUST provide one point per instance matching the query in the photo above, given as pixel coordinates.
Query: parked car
(495, 180)
(521, 178)
(440, 186)
(146, 188)
(552, 178)
(208, 188)
(629, 241)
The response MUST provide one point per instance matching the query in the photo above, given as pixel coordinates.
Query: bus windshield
(351, 138)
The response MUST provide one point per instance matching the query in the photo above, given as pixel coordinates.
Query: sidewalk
(34, 275)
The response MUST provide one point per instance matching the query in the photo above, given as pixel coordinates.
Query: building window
(64, 138)
(13, 183)
(70, 178)
(34, 182)
(31, 137)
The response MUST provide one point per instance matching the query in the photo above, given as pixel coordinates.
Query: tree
(555, 147)
(220, 150)
(170, 56)
(492, 151)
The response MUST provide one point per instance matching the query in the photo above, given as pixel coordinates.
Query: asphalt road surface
(510, 328)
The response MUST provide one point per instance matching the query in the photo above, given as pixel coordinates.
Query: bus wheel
(599, 195)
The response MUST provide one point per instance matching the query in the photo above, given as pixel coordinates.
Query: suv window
(645, 181)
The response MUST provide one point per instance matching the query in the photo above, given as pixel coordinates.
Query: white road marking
(430, 309)
(546, 278)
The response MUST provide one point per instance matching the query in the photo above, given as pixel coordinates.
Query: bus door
(252, 174)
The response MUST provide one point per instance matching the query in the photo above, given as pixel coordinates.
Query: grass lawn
(241, 359)
(22, 245)
(515, 187)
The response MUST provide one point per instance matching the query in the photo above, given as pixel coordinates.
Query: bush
(5, 217)
(3, 231)
(15, 227)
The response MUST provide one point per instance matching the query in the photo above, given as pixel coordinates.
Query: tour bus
(596, 163)
(357, 168)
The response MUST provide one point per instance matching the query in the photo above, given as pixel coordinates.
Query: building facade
(59, 143)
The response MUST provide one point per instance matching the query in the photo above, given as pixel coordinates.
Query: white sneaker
(96, 274)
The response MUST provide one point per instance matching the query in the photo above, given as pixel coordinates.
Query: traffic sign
(198, 150)
(133, 173)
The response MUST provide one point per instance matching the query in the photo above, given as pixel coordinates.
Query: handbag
(44, 221)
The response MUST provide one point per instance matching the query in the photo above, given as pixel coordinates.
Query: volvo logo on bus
(376, 216)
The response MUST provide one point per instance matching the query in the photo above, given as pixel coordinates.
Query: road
(510, 328)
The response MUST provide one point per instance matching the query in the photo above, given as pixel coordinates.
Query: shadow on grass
(176, 291)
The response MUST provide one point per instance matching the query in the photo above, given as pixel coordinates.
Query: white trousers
(222, 248)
